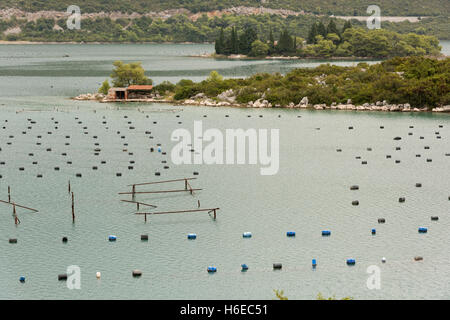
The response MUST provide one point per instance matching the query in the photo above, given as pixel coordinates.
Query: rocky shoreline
(228, 99)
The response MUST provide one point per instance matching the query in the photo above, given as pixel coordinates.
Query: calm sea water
(309, 194)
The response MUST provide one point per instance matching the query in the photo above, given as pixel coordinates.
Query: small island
(325, 42)
(408, 84)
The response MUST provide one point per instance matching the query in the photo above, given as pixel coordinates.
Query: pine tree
(312, 34)
(246, 39)
(220, 42)
(331, 28)
(285, 44)
(322, 30)
(234, 41)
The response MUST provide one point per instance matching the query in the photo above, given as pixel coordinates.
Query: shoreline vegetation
(326, 42)
(178, 26)
(401, 84)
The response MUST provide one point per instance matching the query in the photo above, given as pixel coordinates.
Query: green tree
(324, 48)
(259, 49)
(124, 75)
(220, 42)
(214, 76)
(321, 29)
(105, 87)
(246, 39)
(333, 37)
(234, 41)
(311, 39)
(331, 28)
(285, 44)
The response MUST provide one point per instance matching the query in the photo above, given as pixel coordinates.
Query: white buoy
(383, 259)
(98, 275)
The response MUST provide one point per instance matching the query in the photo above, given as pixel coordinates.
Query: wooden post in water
(185, 184)
(9, 194)
(69, 186)
(73, 210)
(15, 214)
(133, 193)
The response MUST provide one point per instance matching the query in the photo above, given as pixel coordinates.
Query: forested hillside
(328, 7)
(182, 29)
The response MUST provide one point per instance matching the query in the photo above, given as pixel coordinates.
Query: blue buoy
(423, 230)
(326, 232)
(247, 235)
(244, 267)
(192, 236)
(314, 263)
(212, 269)
(374, 231)
(159, 149)
(22, 279)
(351, 262)
(112, 238)
(290, 233)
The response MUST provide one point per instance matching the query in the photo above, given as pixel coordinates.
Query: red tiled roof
(140, 87)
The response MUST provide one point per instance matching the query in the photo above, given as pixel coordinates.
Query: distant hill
(326, 7)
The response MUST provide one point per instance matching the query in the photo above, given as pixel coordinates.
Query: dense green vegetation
(336, 7)
(182, 29)
(327, 41)
(419, 81)
(126, 74)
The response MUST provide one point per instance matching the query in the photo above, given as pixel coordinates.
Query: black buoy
(62, 277)
(64, 239)
(144, 237)
(381, 220)
(401, 199)
(277, 266)
(355, 202)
